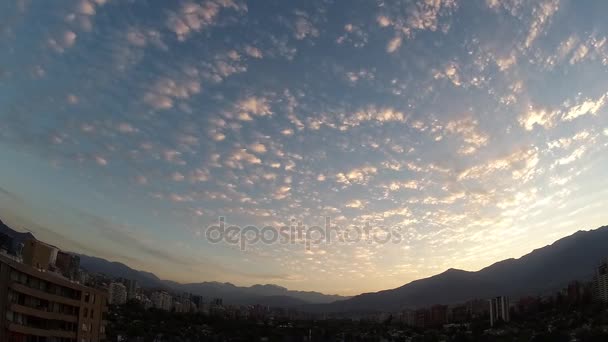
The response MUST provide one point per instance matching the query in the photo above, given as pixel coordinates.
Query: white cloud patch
(394, 44)
(356, 204)
(258, 148)
(254, 52)
(166, 91)
(239, 156)
(425, 14)
(541, 17)
(468, 129)
(538, 116)
(588, 106)
(383, 21)
(257, 106)
(194, 17)
(359, 175)
(86, 7)
(450, 71)
(100, 160)
(303, 27)
(521, 164)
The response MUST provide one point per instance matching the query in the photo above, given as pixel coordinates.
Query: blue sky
(477, 129)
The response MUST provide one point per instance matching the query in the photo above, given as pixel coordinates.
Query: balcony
(43, 313)
(22, 329)
(43, 295)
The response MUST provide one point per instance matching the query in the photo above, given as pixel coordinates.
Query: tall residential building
(499, 310)
(162, 300)
(600, 282)
(42, 306)
(131, 285)
(439, 315)
(39, 254)
(68, 265)
(117, 294)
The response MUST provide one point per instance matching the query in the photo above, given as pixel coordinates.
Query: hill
(545, 269)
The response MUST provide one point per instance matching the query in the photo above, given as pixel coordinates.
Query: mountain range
(269, 294)
(542, 271)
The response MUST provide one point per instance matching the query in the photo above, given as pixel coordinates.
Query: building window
(9, 316)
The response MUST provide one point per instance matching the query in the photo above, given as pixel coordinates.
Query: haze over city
(477, 130)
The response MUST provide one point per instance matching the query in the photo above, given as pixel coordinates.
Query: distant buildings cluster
(500, 309)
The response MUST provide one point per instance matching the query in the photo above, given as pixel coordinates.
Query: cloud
(468, 129)
(124, 236)
(357, 204)
(86, 7)
(177, 176)
(506, 62)
(579, 54)
(450, 72)
(282, 192)
(9, 194)
(575, 155)
(241, 155)
(589, 106)
(358, 175)
(218, 136)
(72, 99)
(193, 17)
(521, 164)
(252, 51)
(538, 116)
(258, 148)
(69, 38)
(399, 185)
(126, 128)
(199, 175)
(383, 21)
(394, 44)
(303, 27)
(100, 160)
(424, 15)
(257, 106)
(144, 37)
(541, 16)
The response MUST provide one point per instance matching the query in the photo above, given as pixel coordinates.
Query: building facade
(132, 287)
(40, 306)
(117, 294)
(39, 254)
(499, 310)
(68, 264)
(162, 300)
(600, 282)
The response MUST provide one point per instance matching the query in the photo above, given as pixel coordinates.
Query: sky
(475, 131)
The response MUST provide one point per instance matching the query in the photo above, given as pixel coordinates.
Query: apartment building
(41, 306)
(600, 282)
(499, 310)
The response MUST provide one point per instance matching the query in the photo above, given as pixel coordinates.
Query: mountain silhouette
(541, 271)
(269, 294)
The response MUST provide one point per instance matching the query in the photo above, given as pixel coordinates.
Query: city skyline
(475, 129)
